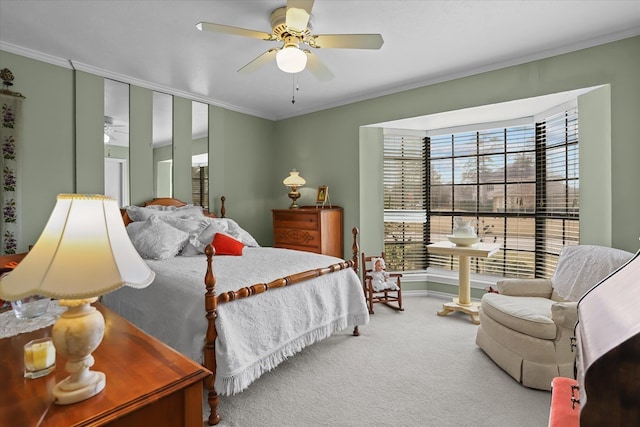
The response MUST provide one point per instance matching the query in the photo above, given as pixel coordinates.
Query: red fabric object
(564, 413)
(226, 245)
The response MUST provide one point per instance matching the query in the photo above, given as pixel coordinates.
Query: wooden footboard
(212, 301)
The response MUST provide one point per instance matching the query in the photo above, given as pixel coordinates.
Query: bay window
(518, 184)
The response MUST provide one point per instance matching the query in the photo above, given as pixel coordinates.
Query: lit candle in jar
(39, 358)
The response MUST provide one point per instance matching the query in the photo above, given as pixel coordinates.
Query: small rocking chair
(389, 297)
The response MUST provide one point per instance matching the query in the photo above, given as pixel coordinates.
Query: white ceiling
(155, 44)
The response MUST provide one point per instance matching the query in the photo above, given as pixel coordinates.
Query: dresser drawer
(296, 237)
(296, 219)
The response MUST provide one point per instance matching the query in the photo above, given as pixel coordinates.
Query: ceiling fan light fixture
(290, 59)
(291, 24)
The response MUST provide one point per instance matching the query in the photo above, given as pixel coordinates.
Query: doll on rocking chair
(380, 278)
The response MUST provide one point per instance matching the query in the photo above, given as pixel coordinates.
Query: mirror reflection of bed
(224, 310)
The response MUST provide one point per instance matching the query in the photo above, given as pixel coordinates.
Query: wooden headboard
(169, 201)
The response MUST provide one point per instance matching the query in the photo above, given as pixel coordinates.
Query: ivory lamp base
(65, 393)
(76, 334)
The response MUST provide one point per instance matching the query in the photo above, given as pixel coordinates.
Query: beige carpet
(408, 368)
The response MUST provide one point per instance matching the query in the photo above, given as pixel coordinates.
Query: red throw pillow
(226, 245)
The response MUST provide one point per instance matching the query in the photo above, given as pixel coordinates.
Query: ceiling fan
(111, 128)
(290, 26)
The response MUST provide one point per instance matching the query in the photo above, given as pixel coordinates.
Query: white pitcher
(463, 228)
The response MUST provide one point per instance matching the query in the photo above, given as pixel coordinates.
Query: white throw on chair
(527, 327)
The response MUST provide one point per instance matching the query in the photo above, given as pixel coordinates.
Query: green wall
(371, 219)
(48, 166)
(63, 117)
(595, 169)
(89, 125)
(249, 156)
(141, 166)
(182, 131)
(333, 152)
(247, 175)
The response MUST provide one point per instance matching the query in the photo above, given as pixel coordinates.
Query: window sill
(447, 277)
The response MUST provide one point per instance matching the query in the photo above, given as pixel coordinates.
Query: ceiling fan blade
(297, 19)
(317, 68)
(347, 41)
(260, 61)
(305, 5)
(218, 28)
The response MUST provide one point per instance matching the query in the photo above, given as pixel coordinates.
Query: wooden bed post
(356, 255)
(355, 249)
(211, 306)
(223, 209)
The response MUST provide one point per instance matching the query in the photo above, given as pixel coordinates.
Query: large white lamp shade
(83, 252)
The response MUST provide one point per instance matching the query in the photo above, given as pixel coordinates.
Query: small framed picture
(323, 193)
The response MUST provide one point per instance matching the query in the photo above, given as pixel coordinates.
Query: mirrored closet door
(200, 154)
(163, 144)
(116, 141)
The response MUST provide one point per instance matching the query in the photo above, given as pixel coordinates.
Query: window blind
(558, 189)
(404, 202)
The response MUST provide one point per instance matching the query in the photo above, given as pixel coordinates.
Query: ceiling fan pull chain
(293, 86)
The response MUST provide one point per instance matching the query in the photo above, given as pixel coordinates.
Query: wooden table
(148, 383)
(463, 302)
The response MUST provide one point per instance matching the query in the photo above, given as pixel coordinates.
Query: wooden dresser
(310, 229)
(148, 383)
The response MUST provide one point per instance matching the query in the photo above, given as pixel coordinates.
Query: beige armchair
(526, 328)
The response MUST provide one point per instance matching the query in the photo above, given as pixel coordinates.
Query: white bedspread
(254, 334)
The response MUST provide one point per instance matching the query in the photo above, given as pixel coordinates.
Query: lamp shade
(290, 59)
(83, 252)
(294, 179)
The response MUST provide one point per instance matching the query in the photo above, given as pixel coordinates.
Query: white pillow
(225, 226)
(138, 213)
(134, 227)
(190, 250)
(155, 239)
(214, 225)
(161, 207)
(192, 225)
(239, 233)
